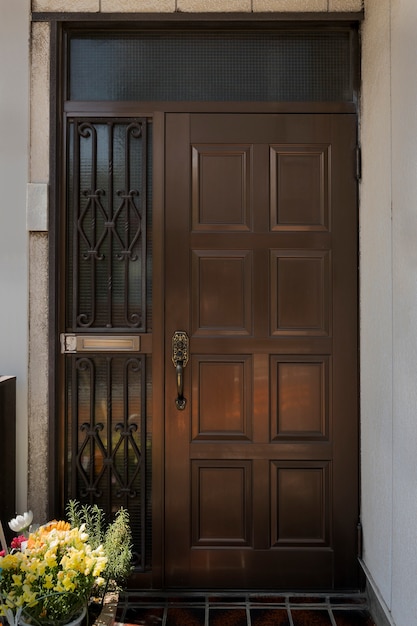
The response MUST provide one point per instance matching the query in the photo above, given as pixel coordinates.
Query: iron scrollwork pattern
(108, 437)
(107, 276)
(108, 295)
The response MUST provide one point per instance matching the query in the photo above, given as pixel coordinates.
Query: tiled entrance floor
(247, 609)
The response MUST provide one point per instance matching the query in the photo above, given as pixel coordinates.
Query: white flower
(21, 522)
(13, 619)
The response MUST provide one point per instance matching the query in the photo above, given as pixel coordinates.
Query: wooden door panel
(221, 397)
(300, 393)
(300, 504)
(222, 292)
(295, 206)
(224, 486)
(221, 187)
(300, 292)
(261, 271)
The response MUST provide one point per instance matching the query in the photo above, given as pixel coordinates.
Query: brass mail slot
(99, 343)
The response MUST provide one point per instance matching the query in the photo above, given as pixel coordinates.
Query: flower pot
(76, 621)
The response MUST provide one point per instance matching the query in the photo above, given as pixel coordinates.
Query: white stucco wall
(404, 221)
(376, 296)
(388, 241)
(14, 107)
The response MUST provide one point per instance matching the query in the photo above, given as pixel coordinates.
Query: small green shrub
(115, 536)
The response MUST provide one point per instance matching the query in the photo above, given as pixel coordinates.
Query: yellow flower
(58, 561)
(48, 583)
(50, 558)
(29, 596)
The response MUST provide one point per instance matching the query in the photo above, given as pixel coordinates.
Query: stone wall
(169, 6)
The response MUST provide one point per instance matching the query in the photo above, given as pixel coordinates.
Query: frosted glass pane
(183, 66)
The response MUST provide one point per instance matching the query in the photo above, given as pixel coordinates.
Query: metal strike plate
(180, 346)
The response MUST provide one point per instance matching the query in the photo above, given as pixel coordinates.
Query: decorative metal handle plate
(180, 345)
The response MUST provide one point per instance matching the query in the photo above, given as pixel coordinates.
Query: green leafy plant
(118, 547)
(114, 536)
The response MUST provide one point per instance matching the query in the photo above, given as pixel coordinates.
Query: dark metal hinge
(358, 163)
(359, 537)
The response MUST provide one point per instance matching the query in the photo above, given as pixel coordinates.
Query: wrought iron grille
(109, 439)
(107, 225)
(108, 421)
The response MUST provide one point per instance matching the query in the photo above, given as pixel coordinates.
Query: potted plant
(47, 577)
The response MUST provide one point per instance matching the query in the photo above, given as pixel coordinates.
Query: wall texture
(159, 6)
(376, 296)
(38, 272)
(389, 304)
(404, 221)
(14, 72)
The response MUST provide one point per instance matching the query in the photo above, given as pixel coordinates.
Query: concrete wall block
(297, 6)
(39, 103)
(214, 5)
(138, 6)
(65, 6)
(38, 425)
(169, 6)
(345, 5)
(37, 207)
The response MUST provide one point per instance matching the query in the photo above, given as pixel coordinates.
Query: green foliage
(116, 537)
(118, 547)
(92, 516)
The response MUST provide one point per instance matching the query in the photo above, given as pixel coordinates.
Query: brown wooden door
(261, 474)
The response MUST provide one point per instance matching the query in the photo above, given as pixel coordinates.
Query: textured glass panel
(108, 225)
(233, 66)
(109, 439)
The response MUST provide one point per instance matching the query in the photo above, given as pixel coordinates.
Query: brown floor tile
(269, 617)
(186, 600)
(143, 600)
(186, 616)
(310, 618)
(151, 616)
(227, 617)
(352, 618)
(266, 609)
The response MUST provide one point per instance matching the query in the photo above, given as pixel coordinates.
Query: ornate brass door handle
(180, 359)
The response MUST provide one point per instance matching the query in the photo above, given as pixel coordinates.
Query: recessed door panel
(222, 292)
(300, 292)
(300, 187)
(300, 398)
(300, 504)
(221, 487)
(221, 187)
(221, 397)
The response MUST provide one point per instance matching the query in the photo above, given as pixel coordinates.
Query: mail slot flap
(71, 343)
